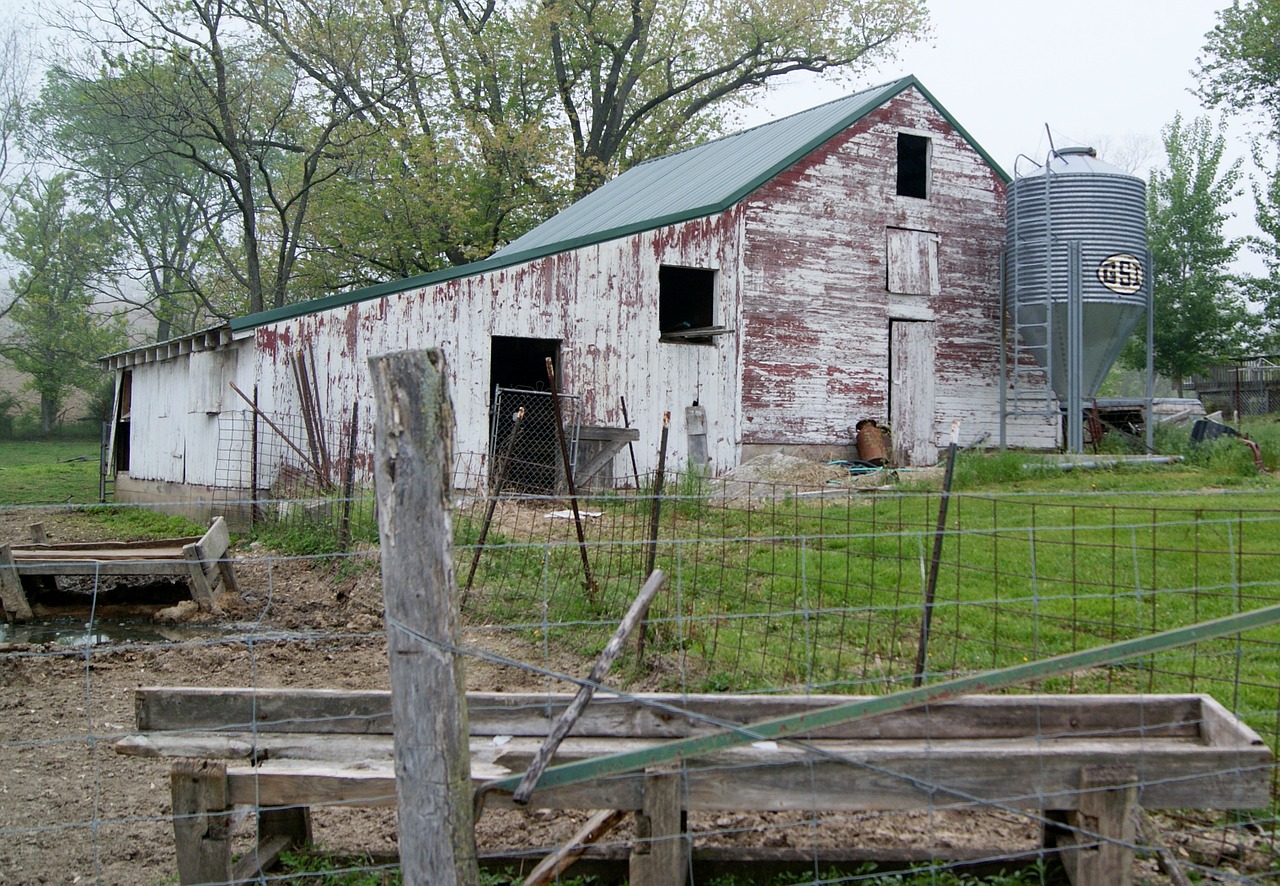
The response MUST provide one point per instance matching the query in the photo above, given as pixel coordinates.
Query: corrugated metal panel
(703, 179)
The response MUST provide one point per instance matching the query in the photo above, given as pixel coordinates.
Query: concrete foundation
(196, 502)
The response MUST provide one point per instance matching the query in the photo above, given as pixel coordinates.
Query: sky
(1106, 73)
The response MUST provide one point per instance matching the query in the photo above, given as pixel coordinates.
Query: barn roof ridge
(728, 169)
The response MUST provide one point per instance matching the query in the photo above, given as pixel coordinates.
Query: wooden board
(838, 775)
(670, 715)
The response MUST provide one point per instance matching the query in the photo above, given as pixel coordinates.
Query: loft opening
(913, 165)
(687, 304)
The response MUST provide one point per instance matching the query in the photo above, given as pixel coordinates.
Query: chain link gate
(534, 466)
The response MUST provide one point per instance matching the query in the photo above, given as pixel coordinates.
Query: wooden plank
(595, 433)
(658, 856)
(170, 548)
(413, 444)
(215, 542)
(1102, 828)
(597, 826)
(260, 859)
(275, 784)
(49, 554)
(12, 595)
(848, 776)
(99, 567)
(1220, 728)
(201, 589)
(201, 821)
(659, 715)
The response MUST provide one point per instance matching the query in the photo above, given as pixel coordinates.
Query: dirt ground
(73, 811)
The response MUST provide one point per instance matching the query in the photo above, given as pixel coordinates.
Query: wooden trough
(199, 559)
(1088, 761)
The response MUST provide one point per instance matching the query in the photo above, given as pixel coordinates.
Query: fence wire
(773, 591)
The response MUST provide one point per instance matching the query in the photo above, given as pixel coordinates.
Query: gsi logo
(1120, 273)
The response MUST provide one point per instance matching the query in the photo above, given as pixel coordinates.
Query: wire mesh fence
(526, 455)
(774, 592)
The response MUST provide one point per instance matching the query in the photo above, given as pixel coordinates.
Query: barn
(767, 290)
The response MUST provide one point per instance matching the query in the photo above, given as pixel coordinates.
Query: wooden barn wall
(601, 301)
(175, 422)
(817, 310)
(157, 426)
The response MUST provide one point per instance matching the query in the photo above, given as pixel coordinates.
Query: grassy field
(825, 593)
(786, 592)
(48, 472)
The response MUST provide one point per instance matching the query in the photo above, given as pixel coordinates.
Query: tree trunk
(48, 413)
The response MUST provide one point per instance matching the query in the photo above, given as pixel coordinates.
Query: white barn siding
(818, 302)
(601, 301)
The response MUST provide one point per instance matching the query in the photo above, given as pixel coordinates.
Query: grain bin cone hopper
(1076, 279)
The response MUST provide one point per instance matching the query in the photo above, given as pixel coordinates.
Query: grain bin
(1076, 222)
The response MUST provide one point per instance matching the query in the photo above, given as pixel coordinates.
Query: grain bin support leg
(201, 821)
(1102, 827)
(658, 856)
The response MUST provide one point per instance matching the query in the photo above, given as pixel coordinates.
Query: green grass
(36, 472)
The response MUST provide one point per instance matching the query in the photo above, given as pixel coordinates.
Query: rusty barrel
(869, 442)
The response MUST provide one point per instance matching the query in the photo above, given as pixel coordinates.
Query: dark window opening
(913, 166)
(686, 303)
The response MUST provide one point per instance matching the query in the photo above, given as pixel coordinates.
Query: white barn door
(911, 392)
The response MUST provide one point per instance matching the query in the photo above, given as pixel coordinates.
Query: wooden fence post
(413, 442)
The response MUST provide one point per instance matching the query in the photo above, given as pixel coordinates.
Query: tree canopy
(345, 142)
(1198, 308)
(63, 253)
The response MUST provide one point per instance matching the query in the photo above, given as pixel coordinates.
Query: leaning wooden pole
(499, 481)
(565, 722)
(654, 517)
(413, 444)
(588, 579)
(935, 562)
(626, 423)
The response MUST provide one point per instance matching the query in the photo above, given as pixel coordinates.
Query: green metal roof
(693, 183)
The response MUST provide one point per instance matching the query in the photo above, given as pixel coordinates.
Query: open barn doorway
(518, 379)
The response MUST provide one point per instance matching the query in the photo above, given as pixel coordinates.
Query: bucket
(869, 442)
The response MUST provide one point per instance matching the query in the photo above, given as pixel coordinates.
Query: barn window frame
(915, 160)
(687, 305)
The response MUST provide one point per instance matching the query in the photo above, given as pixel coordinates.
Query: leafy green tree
(171, 211)
(15, 70)
(1199, 310)
(211, 93)
(63, 254)
(1239, 70)
(1265, 290)
(638, 78)
(1239, 65)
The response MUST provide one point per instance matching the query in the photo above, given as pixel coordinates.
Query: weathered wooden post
(413, 443)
